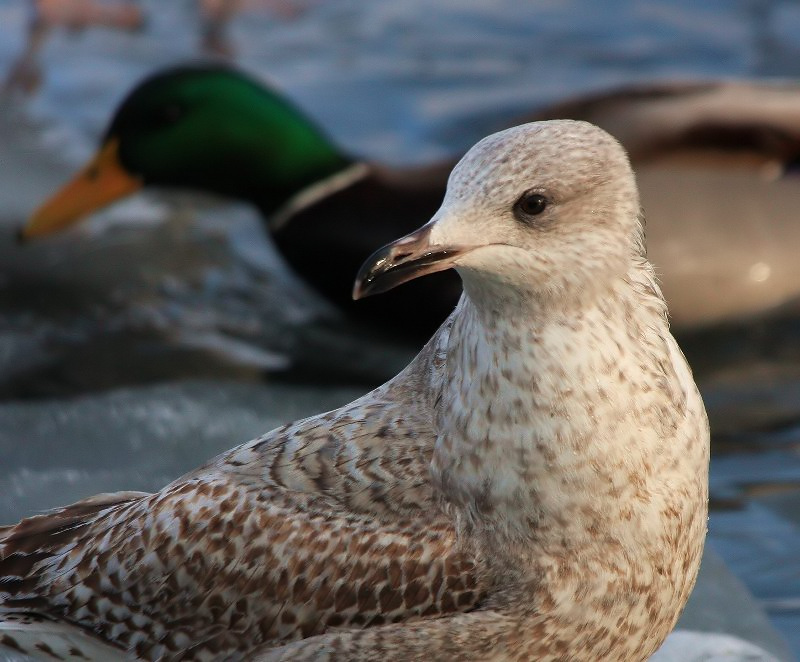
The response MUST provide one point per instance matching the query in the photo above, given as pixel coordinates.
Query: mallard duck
(215, 129)
(710, 158)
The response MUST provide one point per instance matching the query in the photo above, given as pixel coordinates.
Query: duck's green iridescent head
(208, 128)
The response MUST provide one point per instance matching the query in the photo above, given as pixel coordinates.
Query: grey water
(154, 336)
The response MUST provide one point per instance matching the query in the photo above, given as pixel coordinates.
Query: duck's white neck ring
(312, 194)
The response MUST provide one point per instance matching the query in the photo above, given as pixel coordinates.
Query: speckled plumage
(532, 486)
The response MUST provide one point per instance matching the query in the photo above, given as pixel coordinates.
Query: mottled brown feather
(325, 523)
(532, 486)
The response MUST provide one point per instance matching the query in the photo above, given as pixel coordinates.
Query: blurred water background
(158, 334)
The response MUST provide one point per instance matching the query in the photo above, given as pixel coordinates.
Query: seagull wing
(326, 523)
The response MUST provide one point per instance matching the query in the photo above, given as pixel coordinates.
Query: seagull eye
(529, 204)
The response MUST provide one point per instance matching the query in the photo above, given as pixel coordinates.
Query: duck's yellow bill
(102, 181)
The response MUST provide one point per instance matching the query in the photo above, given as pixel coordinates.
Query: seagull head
(541, 207)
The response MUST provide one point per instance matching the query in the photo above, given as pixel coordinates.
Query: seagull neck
(496, 299)
(531, 412)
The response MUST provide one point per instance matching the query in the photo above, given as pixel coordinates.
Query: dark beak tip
(363, 287)
(364, 284)
(395, 264)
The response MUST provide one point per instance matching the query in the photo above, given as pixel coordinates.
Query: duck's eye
(529, 204)
(170, 113)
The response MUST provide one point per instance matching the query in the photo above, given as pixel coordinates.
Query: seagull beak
(403, 260)
(102, 181)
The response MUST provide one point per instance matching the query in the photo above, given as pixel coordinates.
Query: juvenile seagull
(532, 486)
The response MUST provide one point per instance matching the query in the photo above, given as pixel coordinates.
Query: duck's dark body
(328, 241)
